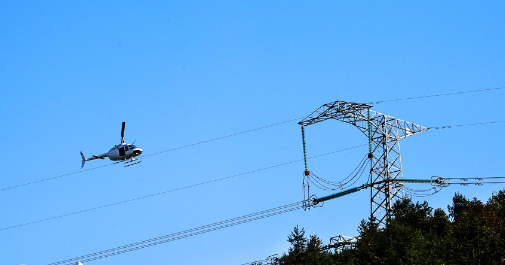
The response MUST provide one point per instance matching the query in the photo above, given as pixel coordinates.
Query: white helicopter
(121, 152)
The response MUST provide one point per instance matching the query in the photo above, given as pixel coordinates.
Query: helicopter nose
(138, 151)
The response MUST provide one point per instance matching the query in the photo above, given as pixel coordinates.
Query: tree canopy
(472, 232)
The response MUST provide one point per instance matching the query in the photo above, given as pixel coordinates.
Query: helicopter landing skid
(131, 162)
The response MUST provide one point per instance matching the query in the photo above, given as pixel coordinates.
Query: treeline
(472, 233)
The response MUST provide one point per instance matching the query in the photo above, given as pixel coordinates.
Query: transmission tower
(384, 133)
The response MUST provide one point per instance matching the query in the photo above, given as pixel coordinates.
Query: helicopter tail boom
(84, 159)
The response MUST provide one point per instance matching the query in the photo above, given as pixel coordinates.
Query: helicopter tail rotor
(122, 133)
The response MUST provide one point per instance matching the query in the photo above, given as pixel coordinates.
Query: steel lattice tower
(384, 133)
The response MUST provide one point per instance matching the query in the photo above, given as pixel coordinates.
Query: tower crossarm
(349, 112)
(360, 115)
(391, 127)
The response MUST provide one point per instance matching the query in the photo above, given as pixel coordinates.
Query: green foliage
(303, 251)
(472, 233)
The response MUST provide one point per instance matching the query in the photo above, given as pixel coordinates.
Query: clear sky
(182, 72)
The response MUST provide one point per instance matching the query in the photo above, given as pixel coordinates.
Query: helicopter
(120, 152)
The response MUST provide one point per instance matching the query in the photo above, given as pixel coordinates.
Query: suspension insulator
(304, 152)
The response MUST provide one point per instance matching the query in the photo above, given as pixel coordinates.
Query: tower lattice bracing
(384, 133)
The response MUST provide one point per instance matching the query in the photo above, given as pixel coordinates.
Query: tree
(477, 230)
(303, 251)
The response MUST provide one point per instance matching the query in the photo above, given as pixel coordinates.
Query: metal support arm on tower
(357, 115)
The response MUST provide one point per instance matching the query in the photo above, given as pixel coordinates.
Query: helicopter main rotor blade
(122, 133)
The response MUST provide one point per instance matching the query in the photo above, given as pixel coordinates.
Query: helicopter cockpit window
(126, 148)
(132, 146)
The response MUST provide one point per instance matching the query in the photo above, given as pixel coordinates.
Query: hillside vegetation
(472, 232)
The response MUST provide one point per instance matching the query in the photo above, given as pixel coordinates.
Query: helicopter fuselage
(123, 152)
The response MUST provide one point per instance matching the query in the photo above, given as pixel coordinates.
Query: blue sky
(183, 72)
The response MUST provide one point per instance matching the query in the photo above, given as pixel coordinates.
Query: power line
(199, 230)
(219, 138)
(264, 127)
(60, 176)
(222, 137)
(422, 193)
(182, 234)
(476, 183)
(468, 124)
(222, 224)
(442, 182)
(343, 184)
(157, 153)
(176, 189)
(202, 183)
(475, 180)
(438, 95)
